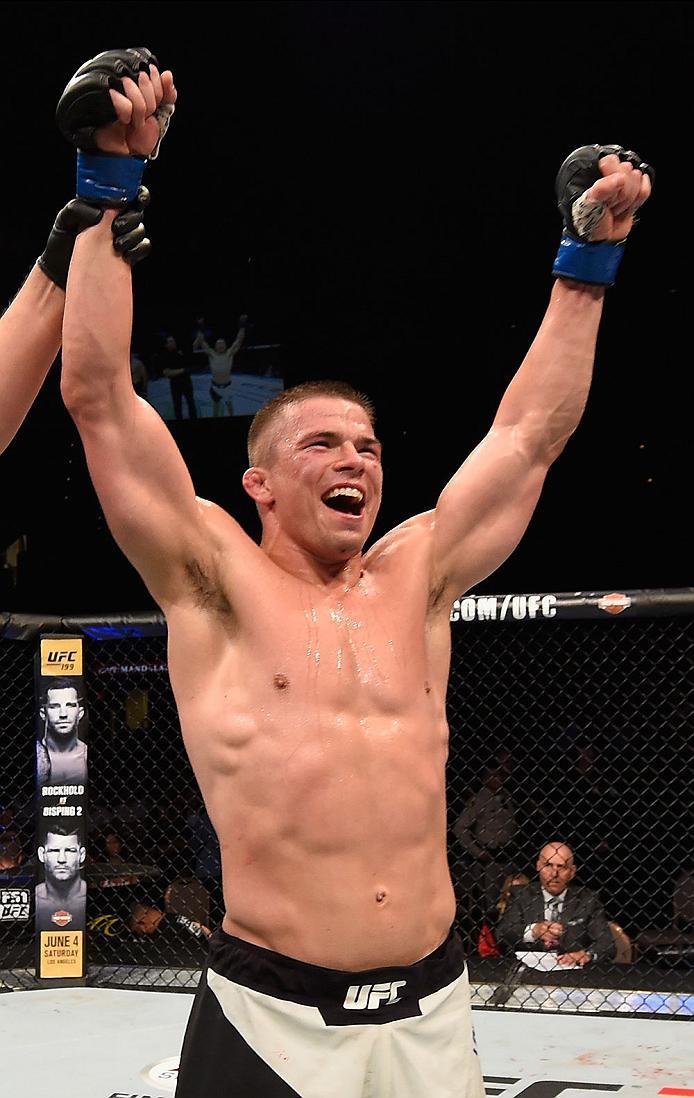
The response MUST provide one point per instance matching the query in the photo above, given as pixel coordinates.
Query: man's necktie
(554, 916)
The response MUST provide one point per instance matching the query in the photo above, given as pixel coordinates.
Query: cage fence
(570, 723)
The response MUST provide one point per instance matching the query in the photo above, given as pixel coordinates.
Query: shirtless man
(221, 362)
(310, 679)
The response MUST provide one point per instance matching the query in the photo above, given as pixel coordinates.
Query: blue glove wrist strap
(110, 179)
(587, 262)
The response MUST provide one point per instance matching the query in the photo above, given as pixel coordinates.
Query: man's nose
(349, 457)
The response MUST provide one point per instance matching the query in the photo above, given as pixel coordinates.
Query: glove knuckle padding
(56, 256)
(78, 215)
(581, 170)
(580, 256)
(85, 104)
(576, 175)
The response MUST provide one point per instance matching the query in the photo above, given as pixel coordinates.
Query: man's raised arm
(138, 473)
(240, 336)
(484, 510)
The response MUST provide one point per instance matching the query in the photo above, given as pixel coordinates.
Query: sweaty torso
(315, 723)
(220, 366)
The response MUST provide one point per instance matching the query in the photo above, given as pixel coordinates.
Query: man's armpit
(437, 592)
(207, 593)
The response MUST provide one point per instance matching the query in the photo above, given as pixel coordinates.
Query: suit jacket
(582, 915)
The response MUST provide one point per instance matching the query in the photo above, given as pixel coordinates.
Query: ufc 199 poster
(61, 808)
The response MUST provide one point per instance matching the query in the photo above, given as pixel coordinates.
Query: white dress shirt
(553, 909)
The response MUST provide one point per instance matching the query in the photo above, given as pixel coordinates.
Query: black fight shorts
(268, 1026)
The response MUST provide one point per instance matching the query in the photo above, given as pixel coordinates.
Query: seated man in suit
(554, 914)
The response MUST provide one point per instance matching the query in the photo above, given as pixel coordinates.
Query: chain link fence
(577, 731)
(152, 865)
(17, 809)
(564, 730)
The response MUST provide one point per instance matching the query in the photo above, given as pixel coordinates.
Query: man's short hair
(296, 395)
(60, 683)
(62, 830)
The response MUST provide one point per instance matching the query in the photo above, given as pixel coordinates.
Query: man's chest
(357, 644)
(290, 654)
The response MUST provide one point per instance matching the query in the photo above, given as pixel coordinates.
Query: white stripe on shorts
(428, 1056)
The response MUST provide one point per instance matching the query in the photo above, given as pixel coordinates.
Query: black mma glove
(578, 257)
(55, 261)
(85, 105)
(129, 238)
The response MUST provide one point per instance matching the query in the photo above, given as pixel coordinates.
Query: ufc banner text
(60, 895)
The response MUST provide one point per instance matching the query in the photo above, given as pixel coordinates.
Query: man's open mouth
(348, 501)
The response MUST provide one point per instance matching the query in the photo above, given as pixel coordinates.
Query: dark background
(373, 183)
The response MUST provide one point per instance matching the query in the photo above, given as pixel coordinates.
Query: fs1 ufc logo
(370, 996)
(61, 657)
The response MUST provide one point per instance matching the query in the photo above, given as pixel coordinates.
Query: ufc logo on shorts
(370, 996)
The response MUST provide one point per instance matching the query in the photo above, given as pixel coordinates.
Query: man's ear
(255, 482)
(83, 854)
(41, 851)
